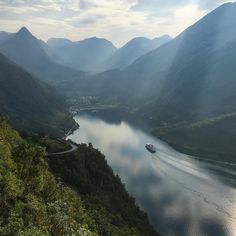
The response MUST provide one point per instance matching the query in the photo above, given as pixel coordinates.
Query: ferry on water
(150, 148)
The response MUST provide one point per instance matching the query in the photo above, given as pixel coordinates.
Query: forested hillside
(32, 200)
(104, 197)
(35, 202)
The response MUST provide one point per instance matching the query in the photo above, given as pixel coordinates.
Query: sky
(116, 20)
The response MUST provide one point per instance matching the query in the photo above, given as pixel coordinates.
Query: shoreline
(198, 154)
(125, 115)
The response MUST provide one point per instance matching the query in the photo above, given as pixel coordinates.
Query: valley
(78, 110)
(184, 90)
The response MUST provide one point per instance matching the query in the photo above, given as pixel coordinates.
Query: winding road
(73, 149)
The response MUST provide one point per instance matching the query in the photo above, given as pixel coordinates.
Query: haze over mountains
(33, 55)
(59, 60)
(134, 49)
(84, 55)
(189, 80)
(30, 104)
(96, 55)
(192, 69)
(186, 63)
(174, 84)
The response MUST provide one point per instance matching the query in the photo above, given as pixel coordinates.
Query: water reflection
(182, 196)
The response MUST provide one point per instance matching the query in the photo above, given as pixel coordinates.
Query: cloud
(85, 20)
(85, 5)
(117, 20)
(160, 7)
(210, 4)
(156, 5)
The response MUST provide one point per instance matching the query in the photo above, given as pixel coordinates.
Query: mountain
(95, 55)
(4, 36)
(186, 73)
(30, 104)
(159, 41)
(134, 49)
(205, 110)
(189, 59)
(34, 56)
(85, 55)
(186, 84)
(58, 43)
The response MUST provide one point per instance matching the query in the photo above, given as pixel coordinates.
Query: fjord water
(181, 195)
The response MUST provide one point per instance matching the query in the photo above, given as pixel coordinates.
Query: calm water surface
(181, 195)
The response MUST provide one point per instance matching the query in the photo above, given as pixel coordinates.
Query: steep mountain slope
(134, 49)
(187, 74)
(30, 53)
(208, 110)
(83, 55)
(181, 70)
(30, 105)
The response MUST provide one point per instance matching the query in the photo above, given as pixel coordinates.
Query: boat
(150, 148)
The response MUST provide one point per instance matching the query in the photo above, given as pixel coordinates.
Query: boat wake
(198, 182)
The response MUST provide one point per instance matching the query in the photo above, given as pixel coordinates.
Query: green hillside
(104, 197)
(210, 138)
(35, 202)
(32, 200)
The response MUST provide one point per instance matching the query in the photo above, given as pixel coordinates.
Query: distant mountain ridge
(60, 58)
(97, 55)
(34, 56)
(85, 55)
(58, 43)
(134, 49)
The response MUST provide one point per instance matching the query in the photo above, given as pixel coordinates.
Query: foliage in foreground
(104, 197)
(34, 202)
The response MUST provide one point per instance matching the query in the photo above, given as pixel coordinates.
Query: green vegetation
(52, 145)
(211, 138)
(104, 197)
(34, 202)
